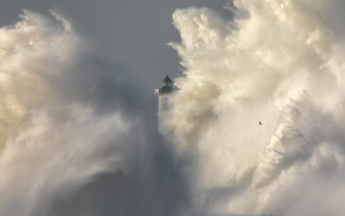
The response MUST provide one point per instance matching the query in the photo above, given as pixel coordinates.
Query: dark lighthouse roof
(167, 79)
(167, 86)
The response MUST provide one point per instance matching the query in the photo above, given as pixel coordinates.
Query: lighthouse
(164, 93)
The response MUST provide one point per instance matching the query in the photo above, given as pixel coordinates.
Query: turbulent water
(278, 62)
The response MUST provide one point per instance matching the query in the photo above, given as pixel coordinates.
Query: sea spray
(47, 137)
(72, 142)
(279, 63)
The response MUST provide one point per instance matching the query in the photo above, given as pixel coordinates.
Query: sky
(132, 34)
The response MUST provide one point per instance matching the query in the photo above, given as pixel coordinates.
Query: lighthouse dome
(167, 82)
(167, 79)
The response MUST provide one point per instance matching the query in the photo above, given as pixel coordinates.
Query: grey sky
(130, 33)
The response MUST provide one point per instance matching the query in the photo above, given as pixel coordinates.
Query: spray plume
(66, 131)
(280, 63)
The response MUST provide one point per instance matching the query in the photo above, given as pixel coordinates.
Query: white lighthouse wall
(163, 103)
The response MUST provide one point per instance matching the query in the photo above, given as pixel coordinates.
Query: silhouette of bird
(260, 123)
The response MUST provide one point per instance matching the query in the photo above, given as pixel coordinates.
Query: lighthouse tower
(163, 94)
